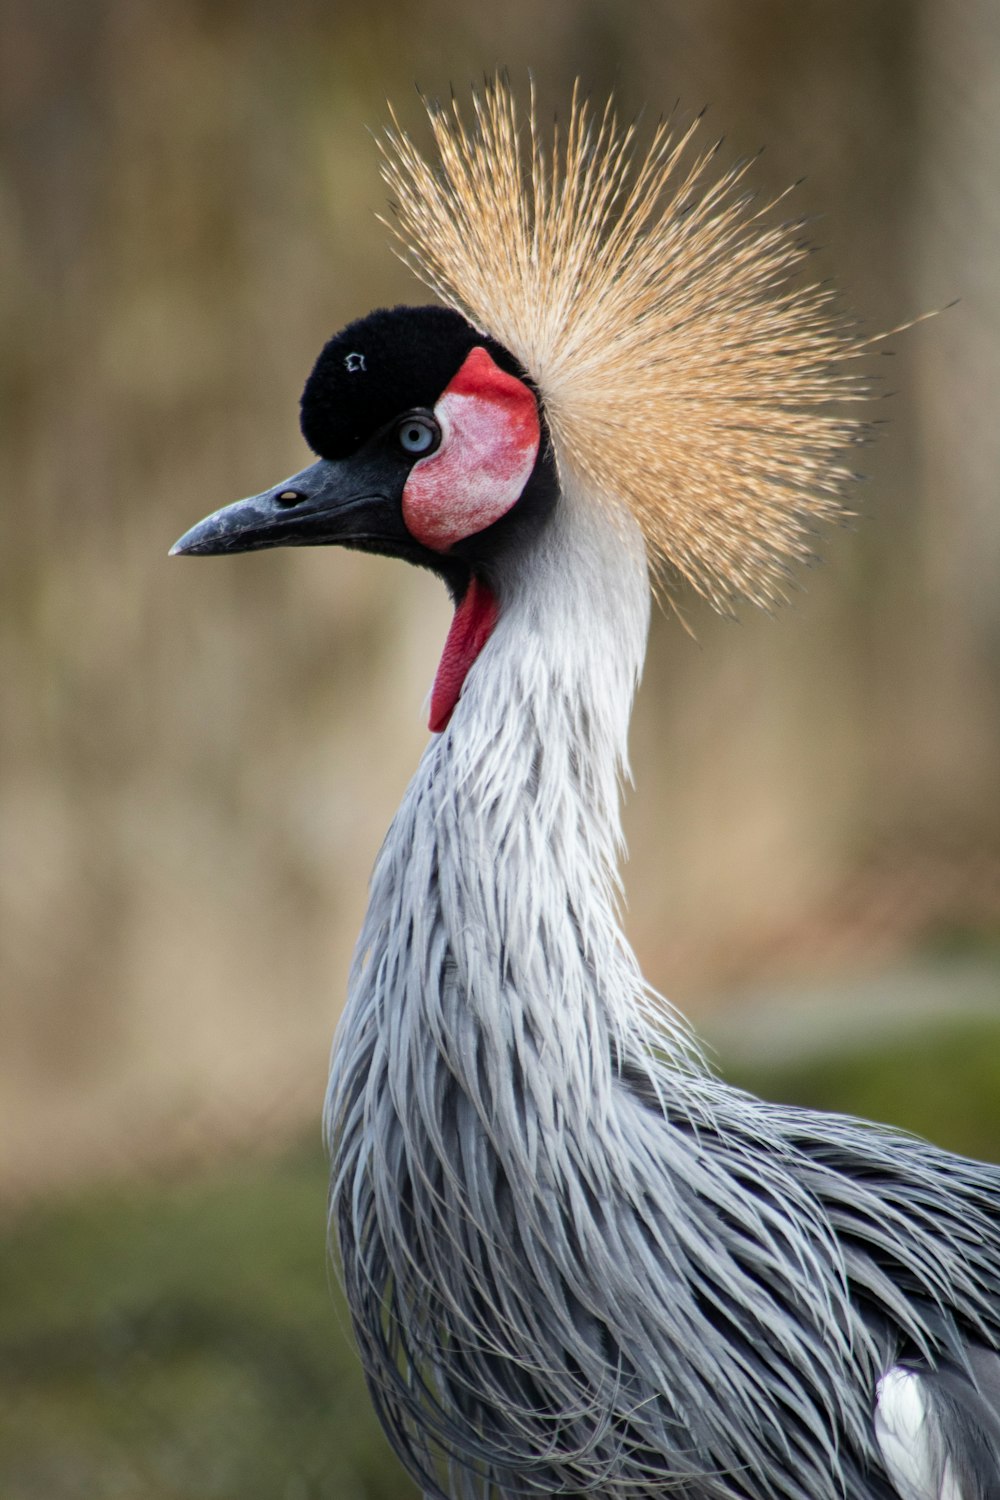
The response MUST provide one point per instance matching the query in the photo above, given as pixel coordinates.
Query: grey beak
(327, 502)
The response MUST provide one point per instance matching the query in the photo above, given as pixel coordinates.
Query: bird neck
(492, 947)
(543, 719)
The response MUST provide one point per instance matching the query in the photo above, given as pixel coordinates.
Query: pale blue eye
(418, 434)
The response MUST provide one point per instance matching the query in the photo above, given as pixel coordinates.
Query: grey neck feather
(563, 1241)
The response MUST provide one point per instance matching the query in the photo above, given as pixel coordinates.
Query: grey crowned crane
(578, 1263)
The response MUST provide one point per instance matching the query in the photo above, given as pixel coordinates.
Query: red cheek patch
(489, 442)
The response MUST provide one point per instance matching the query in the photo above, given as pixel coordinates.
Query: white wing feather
(910, 1439)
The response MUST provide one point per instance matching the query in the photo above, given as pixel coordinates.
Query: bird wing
(938, 1430)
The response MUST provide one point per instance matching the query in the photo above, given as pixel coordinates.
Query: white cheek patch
(490, 436)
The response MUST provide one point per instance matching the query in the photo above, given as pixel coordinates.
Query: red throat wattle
(471, 628)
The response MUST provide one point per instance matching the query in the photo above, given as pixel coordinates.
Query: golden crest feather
(683, 371)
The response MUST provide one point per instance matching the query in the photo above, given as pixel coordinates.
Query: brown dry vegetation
(198, 758)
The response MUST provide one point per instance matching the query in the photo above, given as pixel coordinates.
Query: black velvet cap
(382, 365)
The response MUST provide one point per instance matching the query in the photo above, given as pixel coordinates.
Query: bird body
(576, 1261)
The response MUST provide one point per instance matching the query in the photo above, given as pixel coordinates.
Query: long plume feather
(684, 371)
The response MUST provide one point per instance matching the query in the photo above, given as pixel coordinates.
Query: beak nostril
(288, 498)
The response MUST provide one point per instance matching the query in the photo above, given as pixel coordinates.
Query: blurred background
(198, 759)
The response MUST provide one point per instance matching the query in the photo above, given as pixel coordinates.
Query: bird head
(616, 324)
(430, 444)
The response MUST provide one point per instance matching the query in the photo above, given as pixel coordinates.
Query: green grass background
(185, 1338)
